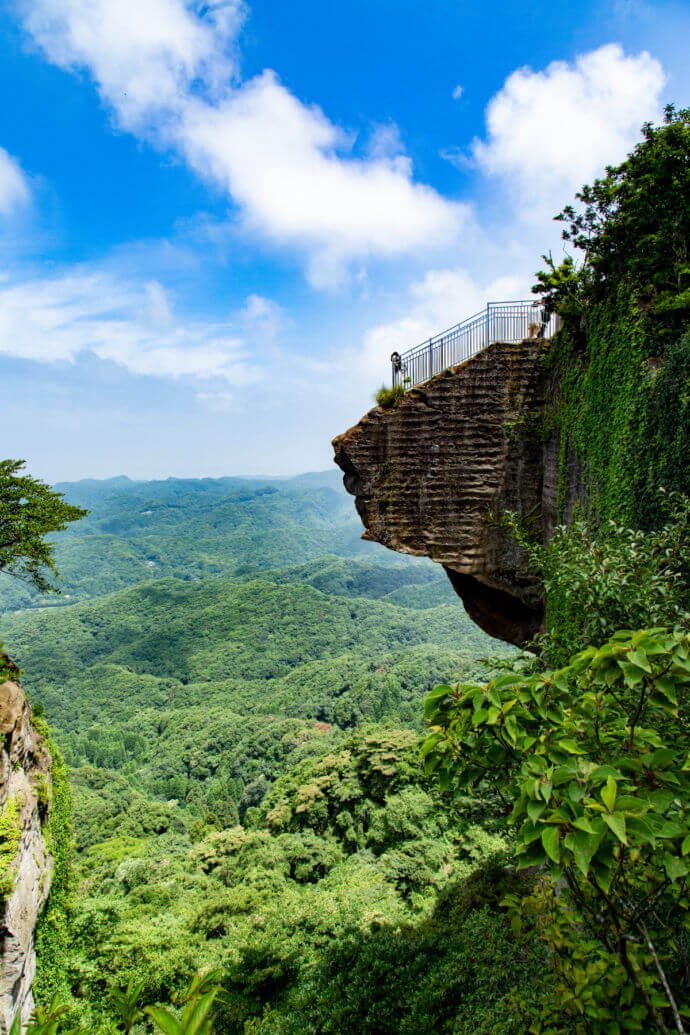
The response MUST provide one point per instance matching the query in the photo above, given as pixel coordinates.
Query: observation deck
(499, 321)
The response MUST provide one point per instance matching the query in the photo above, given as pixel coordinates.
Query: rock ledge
(26, 869)
(431, 475)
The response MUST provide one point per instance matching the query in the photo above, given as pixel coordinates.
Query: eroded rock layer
(25, 862)
(431, 475)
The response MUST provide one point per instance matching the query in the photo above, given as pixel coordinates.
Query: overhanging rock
(432, 474)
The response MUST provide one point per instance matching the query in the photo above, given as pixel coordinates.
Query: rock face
(431, 475)
(25, 862)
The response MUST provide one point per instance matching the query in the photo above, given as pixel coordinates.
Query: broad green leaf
(616, 822)
(196, 1017)
(631, 673)
(608, 793)
(583, 846)
(529, 833)
(441, 690)
(506, 679)
(430, 743)
(628, 802)
(667, 687)
(640, 830)
(640, 659)
(670, 828)
(603, 872)
(584, 824)
(676, 868)
(164, 1020)
(569, 745)
(511, 728)
(550, 839)
(663, 757)
(535, 809)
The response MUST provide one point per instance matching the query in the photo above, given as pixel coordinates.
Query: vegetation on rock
(621, 365)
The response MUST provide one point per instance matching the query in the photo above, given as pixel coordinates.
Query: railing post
(487, 325)
(394, 379)
(431, 358)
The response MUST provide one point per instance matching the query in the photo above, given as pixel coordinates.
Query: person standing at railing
(396, 363)
(537, 329)
(545, 317)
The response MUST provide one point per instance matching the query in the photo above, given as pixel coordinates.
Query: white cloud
(549, 132)
(167, 74)
(262, 318)
(282, 161)
(457, 92)
(14, 190)
(146, 58)
(59, 318)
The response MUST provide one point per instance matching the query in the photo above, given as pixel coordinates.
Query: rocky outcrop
(25, 862)
(431, 476)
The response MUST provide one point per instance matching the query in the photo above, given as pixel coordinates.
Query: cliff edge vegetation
(587, 742)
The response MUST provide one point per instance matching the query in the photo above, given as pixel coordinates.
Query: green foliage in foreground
(196, 1015)
(594, 758)
(598, 580)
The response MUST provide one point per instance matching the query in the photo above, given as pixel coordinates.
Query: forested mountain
(138, 531)
(235, 680)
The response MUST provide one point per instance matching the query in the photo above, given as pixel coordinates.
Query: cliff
(431, 475)
(26, 864)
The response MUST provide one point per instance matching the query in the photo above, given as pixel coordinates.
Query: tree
(632, 227)
(29, 511)
(594, 759)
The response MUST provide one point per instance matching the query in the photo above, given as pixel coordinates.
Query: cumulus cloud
(168, 74)
(283, 162)
(551, 131)
(14, 190)
(58, 318)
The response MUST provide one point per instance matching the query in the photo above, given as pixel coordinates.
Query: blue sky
(217, 219)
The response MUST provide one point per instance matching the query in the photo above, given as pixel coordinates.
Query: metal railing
(500, 321)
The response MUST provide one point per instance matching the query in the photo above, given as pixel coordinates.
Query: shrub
(594, 759)
(389, 397)
(598, 580)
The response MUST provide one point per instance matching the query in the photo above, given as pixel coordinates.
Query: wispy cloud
(14, 189)
(90, 311)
